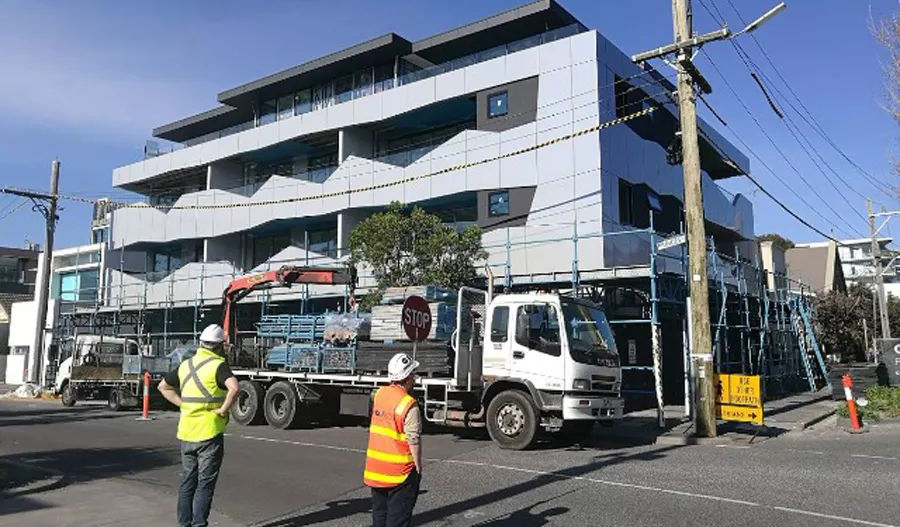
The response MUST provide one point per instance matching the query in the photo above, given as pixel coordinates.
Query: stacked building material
(338, 359)
(294, 357)
(435, 358)
(387, 322)
(297, 328)
(431, 293)
(347, 327)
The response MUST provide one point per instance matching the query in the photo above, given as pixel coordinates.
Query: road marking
(621, 484)
(832, 517)
(868, 456)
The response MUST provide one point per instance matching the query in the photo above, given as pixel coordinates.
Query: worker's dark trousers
(393, 507)
(200, 464)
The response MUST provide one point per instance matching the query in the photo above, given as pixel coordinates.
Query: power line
(14, 209)
(777, 149)
(812, 122)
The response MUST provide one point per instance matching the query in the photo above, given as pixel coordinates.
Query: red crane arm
(284, 277)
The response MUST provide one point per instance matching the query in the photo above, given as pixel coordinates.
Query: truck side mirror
(522, 327)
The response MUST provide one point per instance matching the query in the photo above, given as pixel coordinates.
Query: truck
(521, 363)
(99, 367)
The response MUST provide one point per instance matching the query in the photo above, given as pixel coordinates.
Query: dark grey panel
(508, 26)
(369, 53)
(203, 123)
(520, 200)
(522, 107)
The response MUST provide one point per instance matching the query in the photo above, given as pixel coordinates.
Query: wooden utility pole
(701, 337)
(46, 205)
(879, 277)
(701, 334)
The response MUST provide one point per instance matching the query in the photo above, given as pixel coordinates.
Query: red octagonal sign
(416, 318)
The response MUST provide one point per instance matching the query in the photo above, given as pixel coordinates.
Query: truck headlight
(581, 384)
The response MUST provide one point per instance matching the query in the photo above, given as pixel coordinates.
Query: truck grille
(603, 383)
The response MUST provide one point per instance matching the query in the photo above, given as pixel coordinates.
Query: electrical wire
(14, 209)
(811, 120)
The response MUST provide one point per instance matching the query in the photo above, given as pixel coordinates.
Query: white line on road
(868, 456)
(590, 480)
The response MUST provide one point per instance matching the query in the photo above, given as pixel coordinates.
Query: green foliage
(838, 319)
(411, 247)
(884, 401)
(779, 241)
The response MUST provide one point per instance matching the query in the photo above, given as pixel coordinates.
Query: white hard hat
(212, 334)
(401, 367)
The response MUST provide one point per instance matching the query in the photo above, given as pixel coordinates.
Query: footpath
(787, 415)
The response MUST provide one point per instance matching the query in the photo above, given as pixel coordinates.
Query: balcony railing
(153, 148)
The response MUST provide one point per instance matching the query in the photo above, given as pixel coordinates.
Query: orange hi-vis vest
(388, 459)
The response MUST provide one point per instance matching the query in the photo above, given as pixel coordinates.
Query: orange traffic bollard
(145, 414)
(851, 403)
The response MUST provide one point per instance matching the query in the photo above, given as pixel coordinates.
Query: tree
(839, 321)
(411, 247)
(779, 240)
(887, 32)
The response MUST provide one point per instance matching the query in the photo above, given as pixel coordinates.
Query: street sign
(889, 357)
(739, 398)
(671, 241)
(416, 317)
(745, 414)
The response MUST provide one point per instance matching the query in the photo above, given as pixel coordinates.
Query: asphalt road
(272, 478)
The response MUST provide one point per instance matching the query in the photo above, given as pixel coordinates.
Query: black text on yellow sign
(739, 398)
(745, 414)
(742, 390)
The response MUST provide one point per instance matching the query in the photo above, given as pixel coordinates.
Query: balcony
(334, 92)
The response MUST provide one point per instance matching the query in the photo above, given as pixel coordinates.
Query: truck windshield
(589, 336)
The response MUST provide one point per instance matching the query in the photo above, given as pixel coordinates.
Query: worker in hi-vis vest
(206, 389)
(394, 457)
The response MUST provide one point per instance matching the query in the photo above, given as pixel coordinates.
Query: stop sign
(416, 316)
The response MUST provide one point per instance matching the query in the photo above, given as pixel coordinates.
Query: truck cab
(545, 361)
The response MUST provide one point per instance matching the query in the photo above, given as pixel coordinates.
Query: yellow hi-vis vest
(200, 395)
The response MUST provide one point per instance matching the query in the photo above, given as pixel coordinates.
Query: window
(498, 204)
(626, 210)
(267, 112)
(323, 241)
(100, 236)
(265, 247)
(500, 324)
(302, 102)
(498, 104)
(285, 107)
(384, 77)
(537, 328)
(362, 83)
(343, 89)
(628, 98)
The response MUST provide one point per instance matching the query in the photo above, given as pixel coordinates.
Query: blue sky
(87, 81)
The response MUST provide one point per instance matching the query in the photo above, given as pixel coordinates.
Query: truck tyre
(248, 407)
(114, 401)
(68, 395)
(512, 420)
(281, 405)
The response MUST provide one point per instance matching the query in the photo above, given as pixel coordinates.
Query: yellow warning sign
(739, 398)
(746, 414)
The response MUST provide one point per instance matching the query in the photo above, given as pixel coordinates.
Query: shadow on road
(333, 510)
(54, 415)
(30, 474)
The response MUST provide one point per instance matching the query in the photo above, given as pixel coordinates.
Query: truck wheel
(282, 405)
(114, 402)
(68, 395)
(512, 420)
(248, 407)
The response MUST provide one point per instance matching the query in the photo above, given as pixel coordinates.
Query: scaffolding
(761, 320)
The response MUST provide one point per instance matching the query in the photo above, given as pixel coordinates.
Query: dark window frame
(626, 202)
(504, 318)
(490, 107)
(491, 213)
(534, 343)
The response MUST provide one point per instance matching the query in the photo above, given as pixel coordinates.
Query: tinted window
(498, 104)
(626, 211)
(498, 204)
(500, 324)
(537, 328)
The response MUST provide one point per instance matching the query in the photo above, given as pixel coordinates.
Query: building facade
(858, 265)
(18, 269)
(527, 124)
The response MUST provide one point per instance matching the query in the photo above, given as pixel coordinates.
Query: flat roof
(508, 26)
(371, 52)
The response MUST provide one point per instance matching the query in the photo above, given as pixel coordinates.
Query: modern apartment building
(508, 123)
(18, 269)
